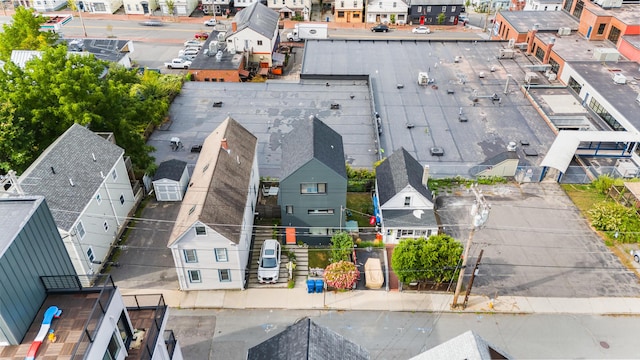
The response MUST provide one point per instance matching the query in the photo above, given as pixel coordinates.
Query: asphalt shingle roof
(468, 345)
(170, 169)
(396, 172)
(258, 18)
(307, 340)
(78, 156)
(311, 138)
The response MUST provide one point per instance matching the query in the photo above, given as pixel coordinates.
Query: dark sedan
(380, 28)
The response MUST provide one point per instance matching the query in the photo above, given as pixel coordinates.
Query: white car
(636, 255)
(189, 52)
(269, 263)
(421, 30)
(211, 22)
(193, 43)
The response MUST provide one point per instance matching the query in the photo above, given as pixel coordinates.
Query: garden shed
(171, 180)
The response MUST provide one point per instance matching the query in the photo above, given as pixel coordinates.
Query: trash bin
(319, 285)
(310, 286)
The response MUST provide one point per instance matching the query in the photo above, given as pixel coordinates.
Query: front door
(421, 20)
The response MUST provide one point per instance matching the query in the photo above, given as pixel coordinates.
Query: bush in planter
(341, 275)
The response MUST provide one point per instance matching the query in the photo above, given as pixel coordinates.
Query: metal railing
(148, 302)
(170, 341)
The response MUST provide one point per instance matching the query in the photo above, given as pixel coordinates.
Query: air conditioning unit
(619, 79)
(552, 76)
(606, 54)
(564, 31)
(627, 168)
(522, 45)
(606, 4)
(512, 43)
(506, 54)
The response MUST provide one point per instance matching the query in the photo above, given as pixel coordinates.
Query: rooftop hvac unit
(506, 54)
(606, 54)
(627, 168)
(552, 76)
(512, 43)
(619, 79)
(564, 31)
(522, 45)
(605, 4)
(531, 78)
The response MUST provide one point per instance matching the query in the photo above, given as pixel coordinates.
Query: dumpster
(311, 285)
(319, 285)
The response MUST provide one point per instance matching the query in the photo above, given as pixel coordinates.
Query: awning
(243, 73)
(263, 71)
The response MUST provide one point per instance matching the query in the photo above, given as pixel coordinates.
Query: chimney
(224, 145)
(234, 26)
(425, 175)
(532, 36)
(547, 54)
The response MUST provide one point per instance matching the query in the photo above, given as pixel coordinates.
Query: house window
(614, 34)
(121, 199)
(554, 65)
(259, 42)
(113, 348)
(90, 254)
(201, 230)
(568, 4)
(80, 230)
(114, 174)
(194, 276)
(190, 255)
(124, 329)
(105, 225)
(356, 15)
(428, 9)
(98, 199)
(137, 7)
(573, 84)
(355, 4)
(453, 9)
(407, 201)
(128, 7)
(221, 255)
(540, 53)
(99, 7)
(340, 14)
(601, 28)
(224, 275)
(419, 10)
(274, 2)
(289, 209)
(341, 4)
(320, 212)
(395, 4)
(451, 19)
(577, 11)
(313, 188)
(605, 115)
(444, 9)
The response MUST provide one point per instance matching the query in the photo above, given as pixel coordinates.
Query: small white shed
(171, 180)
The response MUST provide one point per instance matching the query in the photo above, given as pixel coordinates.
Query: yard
(360, 208)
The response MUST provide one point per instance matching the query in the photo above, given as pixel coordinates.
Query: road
(228, 334)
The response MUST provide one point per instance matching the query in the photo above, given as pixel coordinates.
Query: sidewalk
(298, 299)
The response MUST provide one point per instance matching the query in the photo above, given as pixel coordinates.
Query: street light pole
(479, 213)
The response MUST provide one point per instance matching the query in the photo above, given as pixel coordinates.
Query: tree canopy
(23, 33)
(341, 247)
(423, 259)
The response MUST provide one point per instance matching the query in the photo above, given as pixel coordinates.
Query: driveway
(536, 243)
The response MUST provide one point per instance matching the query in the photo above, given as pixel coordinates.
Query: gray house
(170, 180)
(426, 12)
(468, 345)
(306, 340)
(313, 188)
(30, 247)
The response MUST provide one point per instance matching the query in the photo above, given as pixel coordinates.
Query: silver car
(269, 263)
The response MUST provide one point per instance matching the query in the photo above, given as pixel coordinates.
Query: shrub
(341, 275)
(603, 183)
(616, 220)
(341, 247)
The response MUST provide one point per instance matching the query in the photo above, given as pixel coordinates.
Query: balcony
(147, 313)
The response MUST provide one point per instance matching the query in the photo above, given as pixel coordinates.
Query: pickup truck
(178, 63)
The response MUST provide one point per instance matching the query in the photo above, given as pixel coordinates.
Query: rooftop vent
(619, 79)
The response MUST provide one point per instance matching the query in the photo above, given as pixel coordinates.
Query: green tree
(423, 259)
(341, 247)
(603, 183)
(441, 17)
(171, 7)
(23, 33)
(617, 220)
(393, 18)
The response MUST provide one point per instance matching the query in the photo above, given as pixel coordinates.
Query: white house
(140, 7)
(170, 180)
(211, 237)
(85, 181)
(387, 11)
(403, 203)
(241, 4)
(291, 8)
(254, 30)
(180, 7)
(102, 6)
(543, 5)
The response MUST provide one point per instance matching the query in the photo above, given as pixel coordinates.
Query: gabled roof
(170, 169)
(311, 138)
(307, 340)
(258, 18)
(78, 156)
(15, 212)
(396, 172)
(465, 346)
(219, 186)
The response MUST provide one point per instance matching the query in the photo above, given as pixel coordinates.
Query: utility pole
(473, 276)
(479, 214)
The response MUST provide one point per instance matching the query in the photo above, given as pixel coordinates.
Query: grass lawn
(584, 196)
(362, 203)
(319, 257)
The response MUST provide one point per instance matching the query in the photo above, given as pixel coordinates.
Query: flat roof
(627, 13)
(523, 21)
(621, 97)
(633, 40)
(574, 47)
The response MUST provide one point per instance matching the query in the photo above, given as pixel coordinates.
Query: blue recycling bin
(319, 285)
(310, 286)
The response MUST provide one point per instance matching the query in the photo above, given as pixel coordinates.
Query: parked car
(421, 30)
(380, 28)
(636, 255)
(152, 23)
(189, 52)
(178, 63)
(201, 35)
(211, 22)
(193, 43)
(269, 263)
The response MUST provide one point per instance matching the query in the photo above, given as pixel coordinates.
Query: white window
(98, 199)
(201, 230)
(444, 9)
(194, 276)
(114, 174)
(105, 224)
(80, 230)
(320, 212)
(90, 254)
(289, 209)
(190, 255)
(428, 9)
(221, 255)
(121, 199)
(407, 201)
(259, 42)
(113, 348)
(355, 4)
(453, 9)
(419, 9)
(224, 275)
(313, 188)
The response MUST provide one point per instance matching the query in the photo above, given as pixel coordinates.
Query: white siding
(135, 6)
(181, 7)
(398, 201)
(103, 6)
(108, 325)
(248, 39)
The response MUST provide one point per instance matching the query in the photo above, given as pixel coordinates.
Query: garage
(171, 180)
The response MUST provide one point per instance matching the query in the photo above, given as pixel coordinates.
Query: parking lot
(536, 243)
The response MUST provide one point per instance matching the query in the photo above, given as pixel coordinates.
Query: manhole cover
(604, 344)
